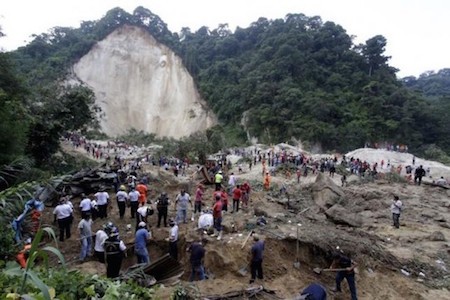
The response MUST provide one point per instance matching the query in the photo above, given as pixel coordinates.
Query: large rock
(141, 84)
(325, 192)
(339, 215)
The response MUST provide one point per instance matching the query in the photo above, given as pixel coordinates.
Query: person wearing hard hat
(122, 198)
(140, 245)
(218, 180)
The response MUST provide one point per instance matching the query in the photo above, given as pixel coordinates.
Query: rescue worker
(100, 237)
(140, 244)
(218, 180)
(114, 253)
(173, 239)
(133, 198)
(22, 256)
(143, 191)
(162, 205)
(121, 198)
(340, 261)
(63, 214)
(142, 214)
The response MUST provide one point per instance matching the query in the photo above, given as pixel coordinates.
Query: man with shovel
(340, 261)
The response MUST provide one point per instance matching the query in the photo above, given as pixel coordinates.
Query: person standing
(100, 237)
(173, 239)
(396, 209)
(340, 261)
(85, 227)
(102, 203)
(162, 205)
(217, 215)
(197, 256)
(63, 214)
(114, 253)
(231, 182)
(140, 244)
(133, 197)
(418, 174)
(237, 194)
(121, 198)
(267, 181)
(143, 190)
(198, 199)
(181, 204)
(85, 205)
(256, 259)
(218, 180)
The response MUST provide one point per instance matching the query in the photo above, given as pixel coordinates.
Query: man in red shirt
(217, 215)
(245, 188)
(224, 198)
(237, 194)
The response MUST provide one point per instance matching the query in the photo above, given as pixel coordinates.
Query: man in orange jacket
(22, 256)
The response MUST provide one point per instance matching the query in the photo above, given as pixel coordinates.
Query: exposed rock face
(141, 84)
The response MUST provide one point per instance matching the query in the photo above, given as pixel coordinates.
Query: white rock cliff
(141, 84)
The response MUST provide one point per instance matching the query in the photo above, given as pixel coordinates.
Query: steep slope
(141, 84)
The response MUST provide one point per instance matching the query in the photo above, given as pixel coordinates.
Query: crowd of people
(131, 192)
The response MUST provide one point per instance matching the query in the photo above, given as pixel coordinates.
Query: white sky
(417, 31)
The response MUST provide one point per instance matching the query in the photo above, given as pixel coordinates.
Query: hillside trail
(427, 212)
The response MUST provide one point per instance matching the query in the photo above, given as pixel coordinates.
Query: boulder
(325, 192)
(339, 215)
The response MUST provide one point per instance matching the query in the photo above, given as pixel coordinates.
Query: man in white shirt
(63, 214)
(173, 239)
(85, 205)
(396, 208)
(205, 221)
(133, 197)
(102, 203)
(142, 214)
(121, 198)
(100, 238)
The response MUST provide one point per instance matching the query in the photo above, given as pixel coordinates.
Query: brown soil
(380, 250)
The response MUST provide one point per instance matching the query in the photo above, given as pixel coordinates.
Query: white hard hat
(142, 224)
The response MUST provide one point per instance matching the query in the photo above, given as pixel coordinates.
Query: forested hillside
(295, 77)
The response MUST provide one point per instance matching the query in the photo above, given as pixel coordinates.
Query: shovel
(297, 260)
(319, 270)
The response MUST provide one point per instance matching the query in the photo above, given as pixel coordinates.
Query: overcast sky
(417, 31)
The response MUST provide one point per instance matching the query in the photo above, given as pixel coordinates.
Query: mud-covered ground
(420, 245)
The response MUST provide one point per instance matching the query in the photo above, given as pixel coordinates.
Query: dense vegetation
(296, 77)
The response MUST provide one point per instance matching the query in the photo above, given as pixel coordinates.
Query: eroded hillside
(141, 84)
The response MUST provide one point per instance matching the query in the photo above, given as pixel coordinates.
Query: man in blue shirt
(140, 244)
(196, 259)
(313, 291)
(257, 258)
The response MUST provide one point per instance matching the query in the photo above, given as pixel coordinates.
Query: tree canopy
(296, 77)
